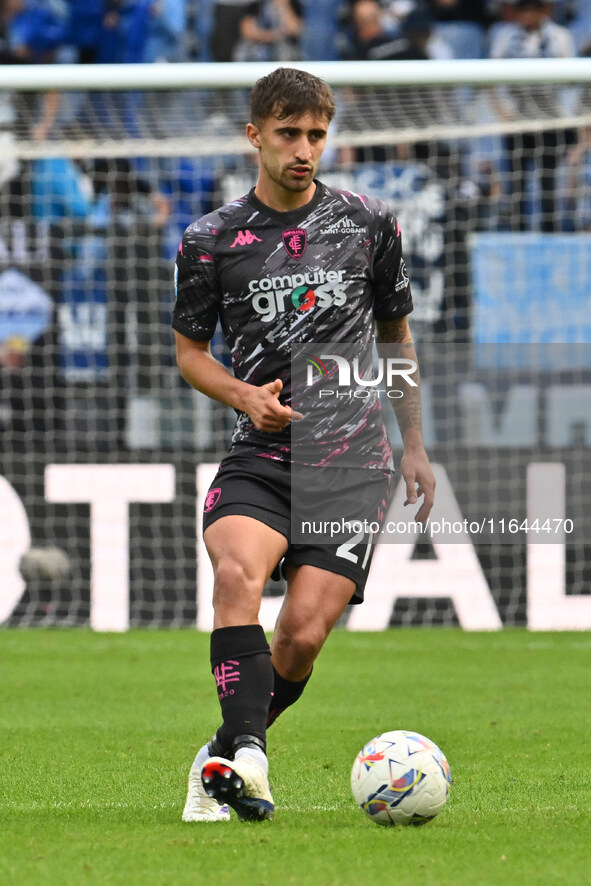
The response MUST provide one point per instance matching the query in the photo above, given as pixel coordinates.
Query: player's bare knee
(304, 647)
(237, 589)
(230, 573)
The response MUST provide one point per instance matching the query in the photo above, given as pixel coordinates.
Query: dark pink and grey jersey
(321, 273)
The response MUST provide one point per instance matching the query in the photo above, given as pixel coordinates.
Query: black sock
(241, 665)
(285, 693)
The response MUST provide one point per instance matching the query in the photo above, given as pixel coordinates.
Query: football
(401, 778)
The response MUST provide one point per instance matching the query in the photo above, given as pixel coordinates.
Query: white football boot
(200, 806)
(241, 783)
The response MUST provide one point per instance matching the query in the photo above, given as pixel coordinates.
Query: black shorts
(250, 485)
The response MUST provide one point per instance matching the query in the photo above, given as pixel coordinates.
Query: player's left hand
(420, 480)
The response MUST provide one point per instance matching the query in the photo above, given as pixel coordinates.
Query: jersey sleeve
(391, 284)
(197, 289)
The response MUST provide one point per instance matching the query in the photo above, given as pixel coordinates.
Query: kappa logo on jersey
(294, 242)
(304, 292)
(245, 238)
(344, 226)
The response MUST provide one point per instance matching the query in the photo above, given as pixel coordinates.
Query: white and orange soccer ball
(401, 777)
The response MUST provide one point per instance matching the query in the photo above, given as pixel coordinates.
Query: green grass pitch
(97, 734)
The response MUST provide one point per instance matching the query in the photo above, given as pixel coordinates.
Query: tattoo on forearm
(408, 407)
(394, 331)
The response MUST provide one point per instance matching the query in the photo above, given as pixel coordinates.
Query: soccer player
(245, 264)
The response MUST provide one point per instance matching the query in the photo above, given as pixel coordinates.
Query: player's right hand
(265, 410)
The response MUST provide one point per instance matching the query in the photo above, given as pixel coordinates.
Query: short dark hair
(289, 92)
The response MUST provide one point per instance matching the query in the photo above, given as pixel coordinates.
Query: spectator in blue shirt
(34, 29)
(166, 36)
(30, 33)
(92, 29)
(60, 190)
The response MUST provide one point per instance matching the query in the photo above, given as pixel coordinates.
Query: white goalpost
(487, 164)
(416, 119)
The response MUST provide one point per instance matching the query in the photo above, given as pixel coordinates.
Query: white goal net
(488, 167)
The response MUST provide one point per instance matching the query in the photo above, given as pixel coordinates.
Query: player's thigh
(254, 547)
(243, 552)
(246, 519)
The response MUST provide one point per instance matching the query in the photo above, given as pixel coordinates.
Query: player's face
(289, 154)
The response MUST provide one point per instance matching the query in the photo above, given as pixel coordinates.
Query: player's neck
(280, 199)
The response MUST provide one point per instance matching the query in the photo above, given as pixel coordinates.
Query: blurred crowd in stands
(106, 31)
(538, 180)
(114, 221)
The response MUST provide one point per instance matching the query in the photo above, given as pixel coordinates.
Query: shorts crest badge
(211, 499)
